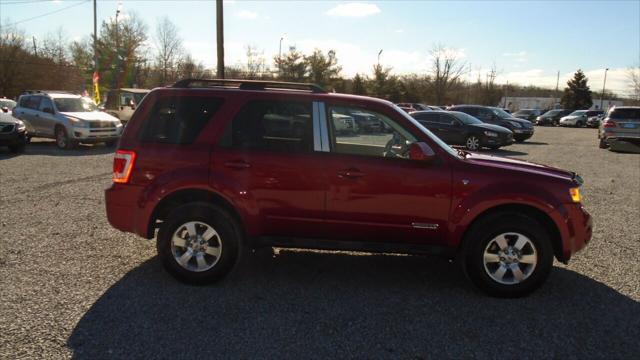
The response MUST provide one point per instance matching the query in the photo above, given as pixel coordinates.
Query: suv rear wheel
(508, 255)
(198, 243)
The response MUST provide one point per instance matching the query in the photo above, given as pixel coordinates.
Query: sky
(528, 42)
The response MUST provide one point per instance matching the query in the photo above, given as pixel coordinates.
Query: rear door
(454, 129)
(270, 157)
(32, 106)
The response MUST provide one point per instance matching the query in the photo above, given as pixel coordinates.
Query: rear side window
(179, 120)
(32, 102)
(271, 125)
(427, 117)
(625, 114)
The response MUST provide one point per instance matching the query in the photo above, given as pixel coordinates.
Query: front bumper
(89, 134)
(522, 134)
(500, 140)
(576, 230)
(568, 122)
(13, 138)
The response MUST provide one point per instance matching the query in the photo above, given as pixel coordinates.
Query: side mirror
(421, 152)
(48, 110)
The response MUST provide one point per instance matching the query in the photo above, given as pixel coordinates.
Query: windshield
(75, 104)
(501, 113)
(440, 143)
(552, 112)
(465, 118)
(578, 113)
(8, 103)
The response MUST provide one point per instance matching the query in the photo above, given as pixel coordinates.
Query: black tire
(111, 143)
(229, 241)
(555, 122)
(520, 140)
(602, 144)
(495, 147)
(579, 124)
(485, 231)
(62, 139)
(28, 139)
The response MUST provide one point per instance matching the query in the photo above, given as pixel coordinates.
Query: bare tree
(256, 66)
(633, 74)
(54, 47)
(446, 70)
(169, 50)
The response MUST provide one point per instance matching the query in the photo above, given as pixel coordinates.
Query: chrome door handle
(350, 173)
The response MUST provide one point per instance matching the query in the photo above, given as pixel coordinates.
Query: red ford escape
(219, 167)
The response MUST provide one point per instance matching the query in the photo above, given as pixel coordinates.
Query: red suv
(220, 167)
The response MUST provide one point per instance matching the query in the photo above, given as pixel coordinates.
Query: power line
(47, 14)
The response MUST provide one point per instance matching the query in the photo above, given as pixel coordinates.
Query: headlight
(539, 118)
(20, 126)
(78, 123)
(491, 134)
(575, 194)
(515, 124)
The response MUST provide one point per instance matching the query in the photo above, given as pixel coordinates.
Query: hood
(496, 128)
(519, 165)
(91, 116)
(522, 121)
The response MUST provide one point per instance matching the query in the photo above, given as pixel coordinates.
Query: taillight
(609, 124)
(122, 166)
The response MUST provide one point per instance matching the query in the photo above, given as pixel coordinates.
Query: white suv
(68, 118)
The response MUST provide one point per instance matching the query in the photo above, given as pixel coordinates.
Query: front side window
(375, 134)
(179, 120)
(271, 125)
(45, 104)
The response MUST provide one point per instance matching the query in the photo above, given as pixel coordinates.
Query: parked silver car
(68, 118)
(579, 118)
(620, 129)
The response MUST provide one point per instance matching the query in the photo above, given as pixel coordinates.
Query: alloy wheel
(510, 258)
(473, 143)
(196, 246)
(61, 138)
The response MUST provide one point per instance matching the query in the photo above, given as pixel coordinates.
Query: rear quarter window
(178, 120)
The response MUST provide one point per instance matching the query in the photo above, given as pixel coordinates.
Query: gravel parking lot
(71, 286)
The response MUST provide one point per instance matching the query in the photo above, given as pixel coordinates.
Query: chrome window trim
(317, 143)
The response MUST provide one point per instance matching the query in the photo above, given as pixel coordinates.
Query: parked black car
(522, 129)
(458, 128)
(12, 133)
(527, 114)
(552, 117)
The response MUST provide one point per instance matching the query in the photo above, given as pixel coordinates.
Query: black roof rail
(247, 84)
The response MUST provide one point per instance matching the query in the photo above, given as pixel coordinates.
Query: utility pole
(506, 94)
(379, 53)
(603, 85)
(220, 38)
(557, 83)
(35, 48)
(96, 75)
(117, 72)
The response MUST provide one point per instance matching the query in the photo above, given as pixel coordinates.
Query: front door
(268, 157)
(376, 193)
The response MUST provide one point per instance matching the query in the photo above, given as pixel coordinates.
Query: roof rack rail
(247, 84)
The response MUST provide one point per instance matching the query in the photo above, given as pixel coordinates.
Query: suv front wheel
(62, 139)
(508, 255)
(198, 243)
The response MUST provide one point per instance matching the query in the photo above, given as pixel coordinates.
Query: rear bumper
(123, 209)
(576, 230)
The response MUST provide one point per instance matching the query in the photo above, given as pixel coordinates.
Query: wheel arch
(191, 195)
(545, 220)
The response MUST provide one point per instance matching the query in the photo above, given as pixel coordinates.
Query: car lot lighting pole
(603, 86)
(220, 38)
(379, 53)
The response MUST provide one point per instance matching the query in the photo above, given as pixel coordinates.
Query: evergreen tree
(577, 94)
(322, 69)
(358, 86)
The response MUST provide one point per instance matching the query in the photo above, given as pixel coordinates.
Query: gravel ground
(71, 286)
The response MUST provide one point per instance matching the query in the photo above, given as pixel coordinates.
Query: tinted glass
(465, 118)
(626, 114)
(578, 113)
(271, 125)
(46, 103)
(426, 117)
(484, 114)
(179, 120)
(501, 113)
(377, 135)
(33, 102)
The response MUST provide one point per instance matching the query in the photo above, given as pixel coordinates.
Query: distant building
(547, 103)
